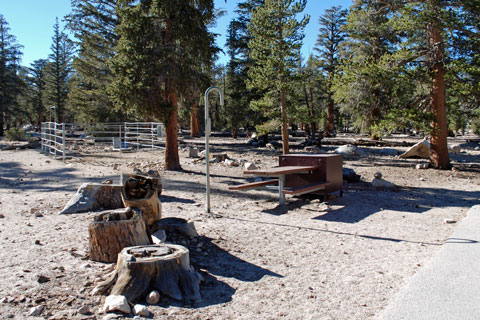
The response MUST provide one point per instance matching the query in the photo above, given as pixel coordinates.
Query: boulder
(421, 149)
(383, 184)
(116, 303)
(349, 151)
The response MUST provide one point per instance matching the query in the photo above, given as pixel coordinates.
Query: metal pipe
(208, 129)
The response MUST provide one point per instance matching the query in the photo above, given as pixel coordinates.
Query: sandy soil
(345, 259)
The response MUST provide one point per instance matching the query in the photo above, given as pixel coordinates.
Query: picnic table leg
(281, 185)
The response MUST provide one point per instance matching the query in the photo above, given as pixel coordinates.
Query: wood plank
(253, 185)
(280, 170)
(307, 188)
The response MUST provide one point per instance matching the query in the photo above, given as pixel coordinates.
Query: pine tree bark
(439, 157)
(164, 267)
(194, 127)
(113, 230)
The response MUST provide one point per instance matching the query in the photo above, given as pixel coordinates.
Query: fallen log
(163, 267)
(94, 196)
(113, 230)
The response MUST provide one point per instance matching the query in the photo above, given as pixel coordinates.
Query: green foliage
(15, 134)
(10, 83)
(274, 46)
(93, 24)
(161, 45)
(58, 72)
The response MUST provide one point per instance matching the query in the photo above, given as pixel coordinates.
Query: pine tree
(10, 55)
(238, 96)
(330, 38)
(159, 49)
(276, 40)
(93, 24)
(58, 72)
(37, 84)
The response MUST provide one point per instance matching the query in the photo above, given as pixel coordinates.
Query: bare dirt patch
(344, 259)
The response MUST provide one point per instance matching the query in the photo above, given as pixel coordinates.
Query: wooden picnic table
(280, 173)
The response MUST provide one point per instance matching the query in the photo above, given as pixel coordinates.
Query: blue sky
(31, 22)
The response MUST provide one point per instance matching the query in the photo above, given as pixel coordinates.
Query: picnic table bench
(299, 174)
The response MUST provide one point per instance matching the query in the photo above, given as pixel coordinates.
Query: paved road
(448, 286)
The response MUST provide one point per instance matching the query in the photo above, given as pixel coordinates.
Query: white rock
(193, 152)
(422, 166)
(250, 166)
(349, 150)
(153, 297)
(141, 310)
(111, 316)
(421, 149)
(84, 310)
(456, 148)
(159, 237)
(35, 311)
(116, 303)
(231, 163)
(382, 184)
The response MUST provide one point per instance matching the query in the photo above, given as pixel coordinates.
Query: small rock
(378, 175)
(159, 237)
(141, 310)
(111, 316)
(115, 166)
(116, 303)
(231, 163)
(421, 179)
(108, 181)
(42, 279)
(35, 311)
(2, 216)
(422, 166)
(153, 297)
(250, 166)
(85, 310)
(383, 184)
(47, 161)
(193, 152)
(449, 221)
(37, 242)
(38, 214)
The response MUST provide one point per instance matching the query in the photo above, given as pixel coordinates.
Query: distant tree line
(378, 67)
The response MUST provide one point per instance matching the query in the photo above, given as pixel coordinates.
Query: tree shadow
(212, 262)
(361, 200)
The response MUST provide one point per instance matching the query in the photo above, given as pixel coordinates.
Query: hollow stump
(164, 267)
(113, 230)
(142, 192)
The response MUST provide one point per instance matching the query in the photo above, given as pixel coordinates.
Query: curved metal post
(208, 128)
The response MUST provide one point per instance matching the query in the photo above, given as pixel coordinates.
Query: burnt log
(142, 192)
(163, 267)
(113, 230)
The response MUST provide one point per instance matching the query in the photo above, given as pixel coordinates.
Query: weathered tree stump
(113, 230)
(164, 267)
(94, 196)
(142, 192)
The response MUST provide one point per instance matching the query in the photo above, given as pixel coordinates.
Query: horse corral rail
(58, 138)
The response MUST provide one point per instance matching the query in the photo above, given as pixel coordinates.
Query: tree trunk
(164, 267)
(141, 193)
(330, 118)
(172, 160)
(194, 128)
(113, 230)
(439, 149)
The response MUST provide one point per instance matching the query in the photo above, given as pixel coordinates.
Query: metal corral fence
(57, 138)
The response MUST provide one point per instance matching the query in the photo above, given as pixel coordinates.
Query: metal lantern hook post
(208, 129)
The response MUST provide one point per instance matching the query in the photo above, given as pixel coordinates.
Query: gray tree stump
(164, 267)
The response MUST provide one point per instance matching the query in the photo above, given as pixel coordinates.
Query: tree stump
(141, 192)
(164, 267)
(113, 230)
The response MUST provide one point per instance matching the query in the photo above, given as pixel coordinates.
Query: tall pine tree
(58, 72)
(328, 43)
(276, 40)
(10, 55)
(160, 46)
